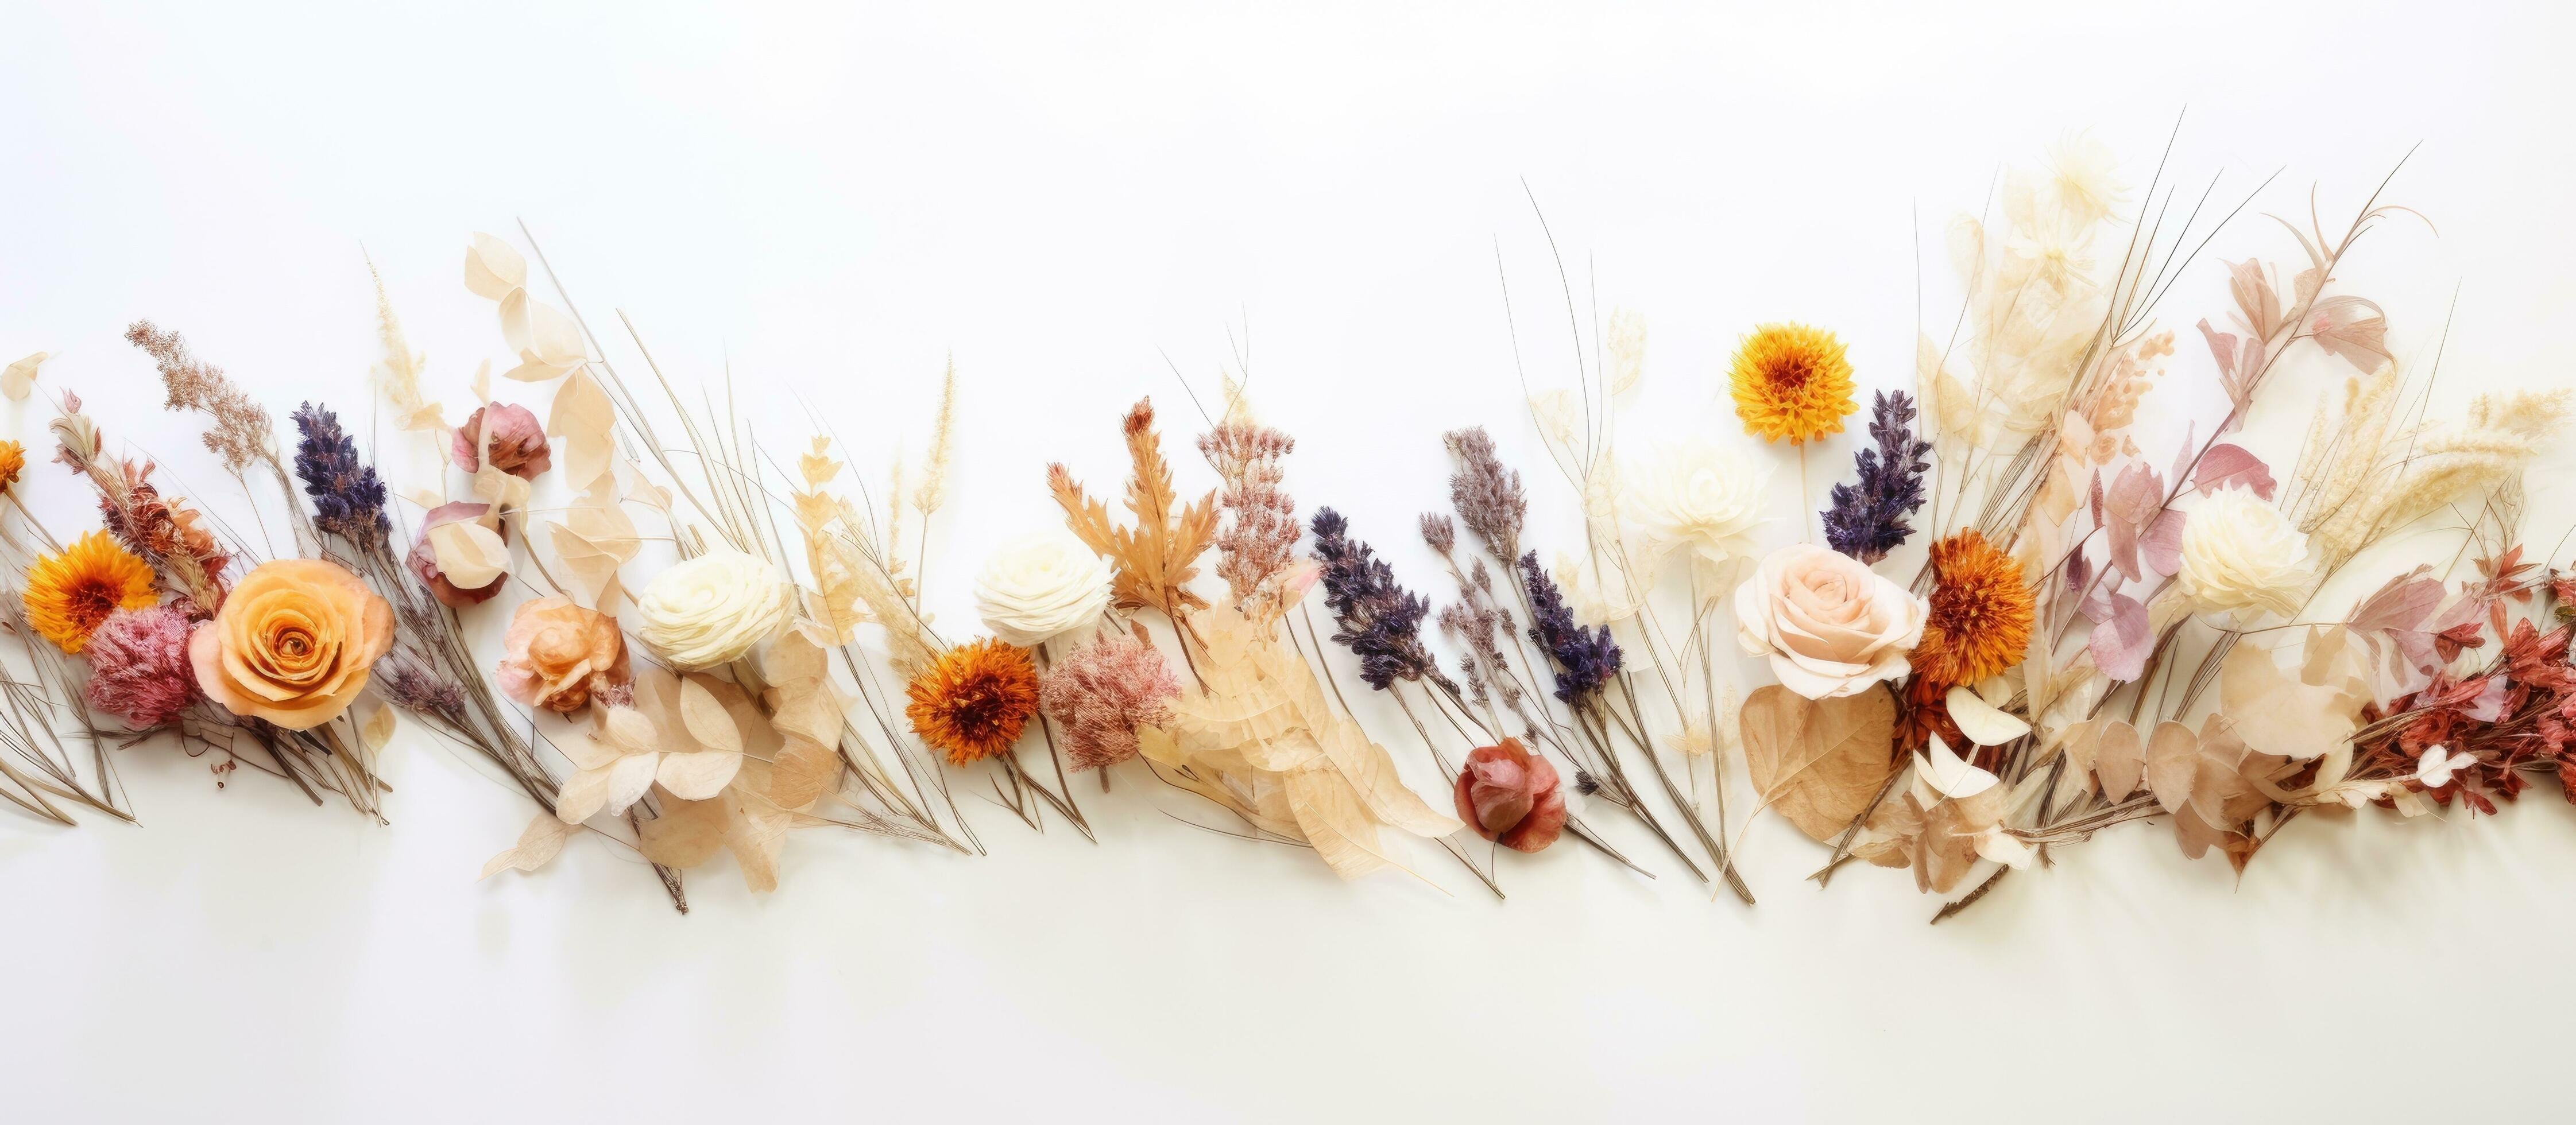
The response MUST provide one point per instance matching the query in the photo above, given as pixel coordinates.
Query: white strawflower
(1698, 495)
(1040, 586)
(2239, 557)
(714, 608)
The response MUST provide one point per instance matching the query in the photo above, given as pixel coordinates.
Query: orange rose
(557, 655)
(293, 643)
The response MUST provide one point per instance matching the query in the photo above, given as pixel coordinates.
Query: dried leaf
(538, 844)
(705, 717)
(1983, 723)
(687, 832)
(470, 554)
(19, 379)
(2228, 465)
(583, 416)
(2173, 762)
(2276, 714)
(493, 268)
(2119, 760)
(1818, 762)
(379, 729)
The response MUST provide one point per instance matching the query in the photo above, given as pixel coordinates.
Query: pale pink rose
(1830, 625)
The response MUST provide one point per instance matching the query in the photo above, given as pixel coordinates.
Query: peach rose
(1830, 625)
(292, 644)
(1511, 796)
(558, 655)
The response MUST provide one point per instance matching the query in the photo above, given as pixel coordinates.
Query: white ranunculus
(2240, 557)
(1831, 626)
(1697, 495)
(1041, 586)
(713, 608)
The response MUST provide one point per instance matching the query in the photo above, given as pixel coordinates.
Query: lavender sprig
(1868, 517)
(1381, 621)
(1585, 659)
(348, 499)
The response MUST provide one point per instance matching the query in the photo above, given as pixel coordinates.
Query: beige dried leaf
(687, 833)
(1983, 723)
(2173, 763)
(493, 267)
(378, 730)
(538, 845)
(805, 772)
(2279, 714)
(1818, 762)
(583, 416)
(698, 775)
(19, 379)
(706, 718)
(2119, 759)
(471, 555)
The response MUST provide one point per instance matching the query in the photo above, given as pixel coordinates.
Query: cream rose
(713, 608)
(1831, 626)
(2241, 558)
(1041, 586)
(1698, 495)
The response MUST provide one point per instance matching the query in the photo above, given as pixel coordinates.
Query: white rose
(1040, 586)
(1699, 495)
(2240, 557)
(1831, 626)
(713, 608)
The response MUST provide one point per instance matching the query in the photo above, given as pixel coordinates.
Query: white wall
(831, 201)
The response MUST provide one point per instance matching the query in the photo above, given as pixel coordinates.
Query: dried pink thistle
(1261, 537)
(515, 439)
(1511, 796)
(1103, 691)
(139, 669)
(423, 559)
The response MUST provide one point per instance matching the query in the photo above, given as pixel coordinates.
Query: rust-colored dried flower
(1791, 381)
(557, 655)
(973, 701)
(13, 461)
(515, 439)
(1511, 796)
(1981, 613)
(69, 595)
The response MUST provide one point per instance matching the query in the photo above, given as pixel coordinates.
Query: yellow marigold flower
(1791, 381)
(13, 461)
(69, 594)
(1981, 613)
(974, 701)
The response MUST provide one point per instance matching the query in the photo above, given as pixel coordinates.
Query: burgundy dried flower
(1102, 692)
(516, 440)
(139, 669)
(423, 559)
(1511, 796)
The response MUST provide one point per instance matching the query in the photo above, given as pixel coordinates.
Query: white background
(831, 201)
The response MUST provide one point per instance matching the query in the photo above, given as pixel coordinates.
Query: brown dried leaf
(2119, 759)
(1819, 762)
(2173, 764)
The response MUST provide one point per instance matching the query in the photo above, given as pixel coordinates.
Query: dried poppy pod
(1511, 796)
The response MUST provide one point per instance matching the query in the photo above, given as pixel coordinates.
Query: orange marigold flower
(69, 594)
(13, 460)
(1981, 613)
(974, 700)
(1791, 381)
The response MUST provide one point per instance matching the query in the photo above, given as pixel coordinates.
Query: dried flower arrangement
(2092, 633)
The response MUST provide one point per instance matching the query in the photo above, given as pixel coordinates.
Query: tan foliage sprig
(1158, 557)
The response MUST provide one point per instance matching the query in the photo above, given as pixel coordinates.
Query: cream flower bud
(1041, 586)
(714, 608)
(1697, 495)
(1831, 626)
(2241, 558)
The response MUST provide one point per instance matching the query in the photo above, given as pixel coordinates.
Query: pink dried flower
(517, 441)
(1102, 692)
(1511, 796)
(139, 669)
(423, 559)
(1260, 540)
